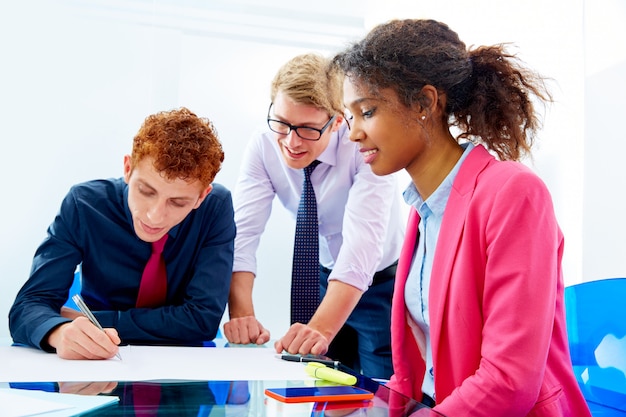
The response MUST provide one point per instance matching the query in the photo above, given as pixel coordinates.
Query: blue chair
(596, 327)
(74, 289)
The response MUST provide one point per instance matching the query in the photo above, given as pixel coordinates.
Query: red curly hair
(183, 146)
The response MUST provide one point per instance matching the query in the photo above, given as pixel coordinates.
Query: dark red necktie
(153, 287)
(146, 399)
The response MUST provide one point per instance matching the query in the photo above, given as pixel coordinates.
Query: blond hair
(311, 79)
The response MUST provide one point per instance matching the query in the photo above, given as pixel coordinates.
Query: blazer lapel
(404, 348)
(408, 247)
(398, 314)
(450, 235)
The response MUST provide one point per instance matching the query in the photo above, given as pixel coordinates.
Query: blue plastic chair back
(596, 327)
(74, 289)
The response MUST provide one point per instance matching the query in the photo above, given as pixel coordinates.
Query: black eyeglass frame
(295, 128)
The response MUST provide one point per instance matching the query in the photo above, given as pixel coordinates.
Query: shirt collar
(437, 201)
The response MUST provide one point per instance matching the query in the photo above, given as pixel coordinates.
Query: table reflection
(230, 398)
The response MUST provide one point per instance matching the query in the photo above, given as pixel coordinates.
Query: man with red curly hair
(108, 226)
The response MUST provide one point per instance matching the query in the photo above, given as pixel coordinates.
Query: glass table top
(229, 398)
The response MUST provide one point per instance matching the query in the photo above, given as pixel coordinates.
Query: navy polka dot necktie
(305, 275)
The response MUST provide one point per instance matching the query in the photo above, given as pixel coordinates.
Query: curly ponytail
(489, 92)
(498, 108)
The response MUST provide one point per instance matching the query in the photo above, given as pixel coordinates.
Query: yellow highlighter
(319, 370)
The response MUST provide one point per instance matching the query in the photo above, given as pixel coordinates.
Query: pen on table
(87, 312)
(298, 358)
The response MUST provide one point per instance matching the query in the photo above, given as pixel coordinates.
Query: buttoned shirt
(94, 229)
(360, 220)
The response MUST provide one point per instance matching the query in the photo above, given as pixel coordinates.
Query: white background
(77, 78)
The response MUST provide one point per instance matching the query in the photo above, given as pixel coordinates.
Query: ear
(203, 195)
(429, 100)
(337, 123)
(127, 168)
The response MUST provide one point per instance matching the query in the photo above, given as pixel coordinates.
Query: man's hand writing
(80, 339)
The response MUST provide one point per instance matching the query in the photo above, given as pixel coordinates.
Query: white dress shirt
(361, 224)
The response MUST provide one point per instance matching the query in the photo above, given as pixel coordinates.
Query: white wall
(78, 77)
(604, 226)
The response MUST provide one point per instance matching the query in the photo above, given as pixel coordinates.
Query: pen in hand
(87, 312)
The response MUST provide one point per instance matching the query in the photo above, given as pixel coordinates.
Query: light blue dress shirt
(418, 283)
(361, 221)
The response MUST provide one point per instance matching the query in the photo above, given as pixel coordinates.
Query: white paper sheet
(16, 405)
(22, 403)
(140, 363)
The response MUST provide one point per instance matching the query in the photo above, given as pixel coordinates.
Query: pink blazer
(496, 310)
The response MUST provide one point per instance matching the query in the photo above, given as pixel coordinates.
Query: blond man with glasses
(359, 219)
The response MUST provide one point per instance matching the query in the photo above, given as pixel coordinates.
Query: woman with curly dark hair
(478, 322)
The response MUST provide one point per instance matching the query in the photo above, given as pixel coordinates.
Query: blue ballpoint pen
(87, 312)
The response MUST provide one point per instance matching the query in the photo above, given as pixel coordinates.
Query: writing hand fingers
(80, 339)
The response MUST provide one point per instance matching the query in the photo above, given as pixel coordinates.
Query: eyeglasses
(304, 132)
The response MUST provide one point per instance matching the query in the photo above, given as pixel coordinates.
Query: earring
(423, 117)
